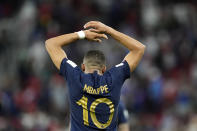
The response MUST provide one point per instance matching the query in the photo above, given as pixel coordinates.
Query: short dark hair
(94, 58)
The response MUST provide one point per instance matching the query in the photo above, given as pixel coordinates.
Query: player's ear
(104, 69)
(83, 67)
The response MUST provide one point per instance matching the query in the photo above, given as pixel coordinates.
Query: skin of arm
(136, 48)
(123, 127)
(54, 45)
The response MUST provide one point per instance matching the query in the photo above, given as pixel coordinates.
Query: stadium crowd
(161, 93)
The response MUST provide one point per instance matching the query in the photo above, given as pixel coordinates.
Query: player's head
(94, 60)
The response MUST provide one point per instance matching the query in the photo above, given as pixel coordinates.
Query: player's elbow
(48, 44)
(142, 49)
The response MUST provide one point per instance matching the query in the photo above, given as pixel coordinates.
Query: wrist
(109, 30)
(81, 34)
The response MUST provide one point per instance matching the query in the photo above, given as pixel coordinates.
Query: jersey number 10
(84, 103)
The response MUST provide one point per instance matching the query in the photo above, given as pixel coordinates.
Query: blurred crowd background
(161, 94)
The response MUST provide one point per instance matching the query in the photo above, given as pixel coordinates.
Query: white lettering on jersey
(121, 64)
(71, 63)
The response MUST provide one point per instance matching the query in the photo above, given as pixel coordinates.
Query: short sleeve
(67, 67)
(120, 72)
(124, 69)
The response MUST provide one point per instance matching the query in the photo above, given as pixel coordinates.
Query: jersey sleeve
(121, 71)
(67, 68)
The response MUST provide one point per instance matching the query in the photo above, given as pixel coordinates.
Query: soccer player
(94, 93)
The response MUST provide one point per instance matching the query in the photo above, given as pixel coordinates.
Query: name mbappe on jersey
(97, 91)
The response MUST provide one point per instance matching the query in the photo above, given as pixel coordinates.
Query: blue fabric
(93, 87)
(122, 118)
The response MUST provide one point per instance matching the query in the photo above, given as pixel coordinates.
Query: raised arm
(136, 48)
(54, 45)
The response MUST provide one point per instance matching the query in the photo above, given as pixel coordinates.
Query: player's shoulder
(120, 69)
(123, 64)
(66, 61)
(69, 68)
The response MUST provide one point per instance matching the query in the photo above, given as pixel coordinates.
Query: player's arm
(136, 48)
(54, 45)
(123, 127)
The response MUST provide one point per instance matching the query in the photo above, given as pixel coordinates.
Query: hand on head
(93, 36)
(96, 31)
(96, 26)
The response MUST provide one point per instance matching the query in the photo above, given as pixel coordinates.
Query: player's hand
(93, 36)
(97, 26)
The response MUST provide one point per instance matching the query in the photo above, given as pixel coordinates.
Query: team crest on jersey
(121, 64)
(71, 63)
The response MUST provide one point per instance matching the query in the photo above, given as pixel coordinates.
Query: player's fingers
(98, 40)
(94, 30)
(89, 25)
(102, 35)
(90, 22)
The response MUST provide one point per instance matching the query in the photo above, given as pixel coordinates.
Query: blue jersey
(122, 114)
(94, 98)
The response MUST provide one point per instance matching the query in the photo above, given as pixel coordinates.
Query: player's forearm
(54, 47)
(123, 127)
(62, 40)
(130, 43)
